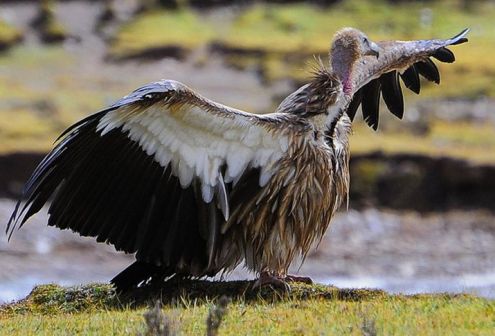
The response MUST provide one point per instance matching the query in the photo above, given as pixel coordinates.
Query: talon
(267, 279)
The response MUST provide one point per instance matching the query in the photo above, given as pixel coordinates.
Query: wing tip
(12, 222)
(372, 122)
(460, 38)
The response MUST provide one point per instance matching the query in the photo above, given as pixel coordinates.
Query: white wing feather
(197, 141)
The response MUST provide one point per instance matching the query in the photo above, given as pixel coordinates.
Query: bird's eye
(365, 40)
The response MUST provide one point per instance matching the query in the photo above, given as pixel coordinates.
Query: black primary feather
(392, 93)
(371, 103)
(428, 70)
(354, 104)
(411, 79)
(444, 55)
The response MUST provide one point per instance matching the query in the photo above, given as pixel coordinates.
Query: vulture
(195, 188)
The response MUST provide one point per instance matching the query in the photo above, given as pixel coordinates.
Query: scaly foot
(267, 279)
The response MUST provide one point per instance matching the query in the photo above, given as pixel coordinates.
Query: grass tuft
(216, 315)
(157, 323)
(368, 326)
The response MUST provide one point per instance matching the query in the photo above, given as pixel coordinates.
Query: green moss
(42, 91)
(8, 35)
(31, 75)
(279, 40)
(276, 28)
(46, 23)
(158, 29)
(305, 30)
(463, 140)
(308, 310)
(54, 32)
(49, 299)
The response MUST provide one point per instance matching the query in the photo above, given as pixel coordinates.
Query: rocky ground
(397, 251)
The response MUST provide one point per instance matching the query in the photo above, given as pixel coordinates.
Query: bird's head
(348, 46)
(353, 43)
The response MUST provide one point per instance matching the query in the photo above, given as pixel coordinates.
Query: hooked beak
(374, 50)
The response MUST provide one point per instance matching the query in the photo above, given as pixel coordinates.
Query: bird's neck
(323, 91)
(347, 82)
(342, 63)
(324, 99)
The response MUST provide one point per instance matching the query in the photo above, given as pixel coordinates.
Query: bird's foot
(267, 279)
(295, 278)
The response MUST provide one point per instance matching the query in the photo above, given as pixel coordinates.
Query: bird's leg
(268, 279)
(295, 278)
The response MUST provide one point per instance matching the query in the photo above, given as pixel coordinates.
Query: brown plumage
(194, 188)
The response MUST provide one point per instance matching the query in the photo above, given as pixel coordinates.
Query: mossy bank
(306, 310)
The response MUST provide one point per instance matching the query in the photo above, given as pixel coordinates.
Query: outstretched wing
(404, 60)
(152, 173)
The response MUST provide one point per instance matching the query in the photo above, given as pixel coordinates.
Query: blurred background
(421, 215)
